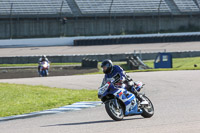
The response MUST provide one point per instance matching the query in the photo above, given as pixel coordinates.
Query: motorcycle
(119, 102)
(44, 67)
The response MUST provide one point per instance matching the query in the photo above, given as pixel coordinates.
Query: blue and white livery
(119, 102)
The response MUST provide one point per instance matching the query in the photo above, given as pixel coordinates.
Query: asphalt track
(101, 49)
(175, 95)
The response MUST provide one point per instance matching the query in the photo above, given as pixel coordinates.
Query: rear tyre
(115, 113)
(45, 73)
(148, 111)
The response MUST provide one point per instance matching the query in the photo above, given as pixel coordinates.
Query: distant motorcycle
(44, 67)
(119, 102)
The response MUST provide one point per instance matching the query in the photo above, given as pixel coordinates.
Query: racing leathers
(120, 79)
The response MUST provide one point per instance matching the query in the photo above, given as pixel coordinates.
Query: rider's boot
(142, 100)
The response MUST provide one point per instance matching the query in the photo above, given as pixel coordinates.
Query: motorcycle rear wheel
(115, 113)
(148, 111)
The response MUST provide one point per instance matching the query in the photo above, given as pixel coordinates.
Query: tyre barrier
(138, 39)
(89, 63)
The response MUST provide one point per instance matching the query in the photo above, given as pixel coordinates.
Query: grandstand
(81, 12)
(33, 7)
(187, 5)
(121, 7)
(97, 7)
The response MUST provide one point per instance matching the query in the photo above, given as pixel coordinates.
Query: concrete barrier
(99, 57)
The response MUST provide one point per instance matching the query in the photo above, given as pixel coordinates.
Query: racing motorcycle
(44, 67)
(120, 103)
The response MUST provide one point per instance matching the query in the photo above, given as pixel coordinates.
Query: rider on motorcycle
(120, 78)
(43, 58)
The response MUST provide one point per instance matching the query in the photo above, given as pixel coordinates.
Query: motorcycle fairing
(129, 99)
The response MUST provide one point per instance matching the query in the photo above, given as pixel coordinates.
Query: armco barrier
(99, 57)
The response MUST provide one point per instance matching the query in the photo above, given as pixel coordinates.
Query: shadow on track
(89, 122)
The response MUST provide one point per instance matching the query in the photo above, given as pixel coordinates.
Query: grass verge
(178, 64)
(19, 99)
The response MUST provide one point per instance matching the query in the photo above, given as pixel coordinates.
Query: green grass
(178, 64)
(19, 99)
(181, 63)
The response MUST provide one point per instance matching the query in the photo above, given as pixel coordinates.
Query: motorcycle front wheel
(43, 73)
(115, 113)
(148, 111)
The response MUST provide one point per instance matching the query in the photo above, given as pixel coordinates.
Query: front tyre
(44, 73)
(148, 111)
(115, 113)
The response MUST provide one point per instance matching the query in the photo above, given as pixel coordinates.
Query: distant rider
(41, 59)
(117, 73)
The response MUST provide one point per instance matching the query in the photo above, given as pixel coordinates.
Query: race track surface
(123, 48)
(175, 95)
